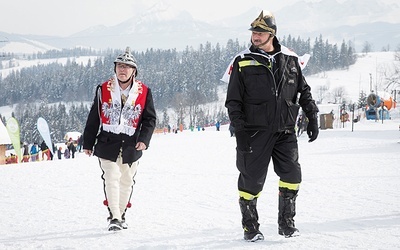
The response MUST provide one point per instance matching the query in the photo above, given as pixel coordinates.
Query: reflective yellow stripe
(248, 196)
(248, 63)
(291, 186)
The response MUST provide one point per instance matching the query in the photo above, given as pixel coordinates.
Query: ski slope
(186, 197)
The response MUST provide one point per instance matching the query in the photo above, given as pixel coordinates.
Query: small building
(4, 141)
(326, 121)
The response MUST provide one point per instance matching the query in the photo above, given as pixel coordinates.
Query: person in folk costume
(119, 127)
(265, 92)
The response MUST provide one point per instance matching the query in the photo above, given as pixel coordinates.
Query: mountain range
(163, 27)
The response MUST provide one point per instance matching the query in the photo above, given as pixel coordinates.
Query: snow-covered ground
(186, 197)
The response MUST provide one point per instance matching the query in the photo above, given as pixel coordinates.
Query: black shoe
(253, 236)
(124, 224)
(115, 225)
(288, 229)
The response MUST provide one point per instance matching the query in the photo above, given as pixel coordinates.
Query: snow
(28, 47)
(17, 65)
(185, 196)
(370, 70)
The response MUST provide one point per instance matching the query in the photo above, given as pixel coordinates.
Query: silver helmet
(265, 22)
(126, 58)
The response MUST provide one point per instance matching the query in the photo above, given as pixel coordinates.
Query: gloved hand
(243, 141)
(312, 127)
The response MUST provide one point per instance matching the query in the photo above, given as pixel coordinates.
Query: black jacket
(266, 92)
(108, 145)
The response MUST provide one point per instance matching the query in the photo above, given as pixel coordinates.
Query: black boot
(250, 219)
(287, 210)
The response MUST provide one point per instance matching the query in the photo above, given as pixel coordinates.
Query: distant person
(80, 143)
(25, 155)
(54, 150)
(59, 153)
(301, 121)
(71, 147)
(218, 125)
(34, 152)
(174, 129)
(45, 151)
(67, 153)
(127, 122)
(264, 84)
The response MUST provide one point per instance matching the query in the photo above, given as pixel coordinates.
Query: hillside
(370, 68)
(374, 65)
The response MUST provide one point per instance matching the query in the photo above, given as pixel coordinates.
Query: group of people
(71, 148)
(266, 89)
(37, 152)
(32, 153)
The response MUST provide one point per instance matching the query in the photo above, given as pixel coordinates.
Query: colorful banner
(13, 132)
(45, 133)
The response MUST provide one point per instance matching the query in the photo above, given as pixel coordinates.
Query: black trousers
(281, 147)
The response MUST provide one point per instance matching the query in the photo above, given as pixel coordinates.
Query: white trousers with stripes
(118, 184)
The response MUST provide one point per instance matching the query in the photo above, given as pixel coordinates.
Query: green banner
(13, 132)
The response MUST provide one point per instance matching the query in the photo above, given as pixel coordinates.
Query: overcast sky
(63, 18)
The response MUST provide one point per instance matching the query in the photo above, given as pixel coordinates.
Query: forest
(181, 81)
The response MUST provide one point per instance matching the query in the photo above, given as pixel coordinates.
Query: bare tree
(367, 47)
(179, 103)
(338, 94)
(322, 91)
(392, 78)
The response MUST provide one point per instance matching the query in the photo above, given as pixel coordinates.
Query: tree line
(182, 81)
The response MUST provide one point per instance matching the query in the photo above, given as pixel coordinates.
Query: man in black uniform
(265, 92)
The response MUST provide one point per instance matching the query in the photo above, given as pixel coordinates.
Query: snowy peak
(162, 11)
(325, 14)
(163, 26)
(161, 17)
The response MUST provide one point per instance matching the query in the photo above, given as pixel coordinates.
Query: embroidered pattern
(112, 111)
(131, 114)
(117, 118)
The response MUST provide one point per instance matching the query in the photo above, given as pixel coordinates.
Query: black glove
(243, 141)
(312, 127)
